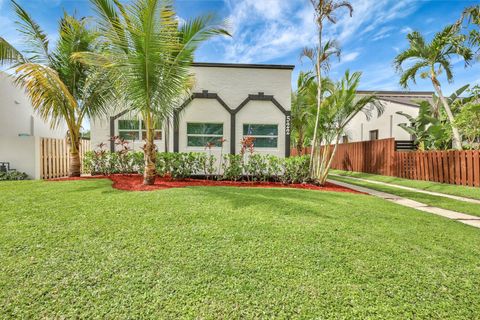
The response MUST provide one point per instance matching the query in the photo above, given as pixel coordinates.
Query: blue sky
(275, 31)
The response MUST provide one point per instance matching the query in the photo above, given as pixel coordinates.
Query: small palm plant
(324, 10)
(430, 60)
(60, 89)
(151, 55)
(337, 110)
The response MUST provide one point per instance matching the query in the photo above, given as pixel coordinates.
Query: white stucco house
(21, 128)
(386, 126)
(228, 101)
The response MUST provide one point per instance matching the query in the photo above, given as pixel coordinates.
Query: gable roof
(409, 98)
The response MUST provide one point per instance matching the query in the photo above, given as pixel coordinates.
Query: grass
(84, 250)
(436, 201)
(462, 191)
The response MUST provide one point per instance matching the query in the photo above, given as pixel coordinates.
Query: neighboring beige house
(228, 101)
(20, 129)
(386, 126)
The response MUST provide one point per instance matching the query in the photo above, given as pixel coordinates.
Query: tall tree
(338, 109)
(324, 10)
(151, 55)
(60, 89)
(430, 60)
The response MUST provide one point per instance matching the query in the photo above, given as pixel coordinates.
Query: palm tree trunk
(457, 140)
(150, 172)
(74, 168)
(74, 165)
(319, 102)
(300, 143)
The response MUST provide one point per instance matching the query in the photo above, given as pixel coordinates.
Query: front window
(134, 129)
(203, 134)
(266, 135)
(373, 135)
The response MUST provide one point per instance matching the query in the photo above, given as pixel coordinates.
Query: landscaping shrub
(256, 167)
(181, 165)
(13, 175)
(251, 166)
(296, 170)
(232, 167)
(103, 162)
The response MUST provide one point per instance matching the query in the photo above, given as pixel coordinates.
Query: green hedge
(255, 167)
(13, 175)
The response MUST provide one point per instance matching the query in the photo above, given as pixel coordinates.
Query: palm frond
(406, 115)
(49, 96)
(343, 4)
(411, 73)
(8, 54)
(34, 36)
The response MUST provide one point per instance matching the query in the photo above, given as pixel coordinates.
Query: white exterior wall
(17, 116)
(21, 129)
(23, 154)
(233, 86)
(204, 111)
(100, 132)
(386, 124)
(262, 112)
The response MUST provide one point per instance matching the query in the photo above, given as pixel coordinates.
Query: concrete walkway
(460, 217)
(438, 194)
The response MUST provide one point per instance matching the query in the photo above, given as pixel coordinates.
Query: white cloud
(384, 32)
(265, 30)
(406, 30)
(349, 57)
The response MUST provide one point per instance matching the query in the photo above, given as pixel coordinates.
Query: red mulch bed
(134, 182)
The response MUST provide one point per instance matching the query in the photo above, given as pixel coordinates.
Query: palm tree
(304, 102)
(338, 109)
(324, 10)
(60, 90)
(473, 17)
(301, 110)
(151, 55)
(430, 60)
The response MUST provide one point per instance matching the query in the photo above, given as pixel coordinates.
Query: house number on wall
(287, 125)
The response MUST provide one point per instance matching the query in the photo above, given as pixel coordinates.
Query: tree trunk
(319, 101)
(300, 144)
(74, 154)
(74, 168)
(326, 169)
(167, 134)
(457, 140)
(150, 172)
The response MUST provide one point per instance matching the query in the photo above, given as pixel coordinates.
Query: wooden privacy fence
(380, 157)
(454, 167)
(368, 156)
(55, 159)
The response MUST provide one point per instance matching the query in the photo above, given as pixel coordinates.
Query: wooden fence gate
(54, 157)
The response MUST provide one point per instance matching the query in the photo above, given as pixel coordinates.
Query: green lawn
(436, 201)
(83, 250)
(468, 192)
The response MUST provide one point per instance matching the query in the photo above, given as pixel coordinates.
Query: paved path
(460, 217)
(438, 194)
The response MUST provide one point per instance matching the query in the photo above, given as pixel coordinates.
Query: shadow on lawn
(303, 202)
(102, 185)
